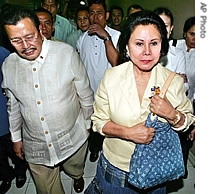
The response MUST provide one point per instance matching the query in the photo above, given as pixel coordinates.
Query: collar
(45, 47)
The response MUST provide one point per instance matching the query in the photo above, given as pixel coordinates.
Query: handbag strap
(167, 84)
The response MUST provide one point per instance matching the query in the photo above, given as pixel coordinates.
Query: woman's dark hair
(165, 11)
(188, 24)
(13, 14)
(141, 18)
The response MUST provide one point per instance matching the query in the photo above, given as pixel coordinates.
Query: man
(117, 15)
(50, 99)
(62, 26)
(46, 21)
(97, 49)
(7, 173)
(134, 8)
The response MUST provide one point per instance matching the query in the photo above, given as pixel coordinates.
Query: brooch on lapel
(154, 90)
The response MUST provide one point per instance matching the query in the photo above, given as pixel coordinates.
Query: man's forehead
(96, 7)
(49, 2)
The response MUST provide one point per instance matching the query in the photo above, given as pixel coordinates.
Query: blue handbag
(161, 160)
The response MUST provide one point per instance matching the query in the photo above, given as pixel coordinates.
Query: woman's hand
(140, 133)
(162, 107)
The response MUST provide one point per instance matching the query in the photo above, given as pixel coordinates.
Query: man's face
(47, 26)
(98, 15)
(26, 39)
(51, 6)
(116, 17)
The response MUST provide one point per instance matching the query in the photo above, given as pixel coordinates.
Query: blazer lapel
(129, 90)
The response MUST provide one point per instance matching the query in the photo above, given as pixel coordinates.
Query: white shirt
(175, 61)
(93, 54)
(50, 99)
(190, 67)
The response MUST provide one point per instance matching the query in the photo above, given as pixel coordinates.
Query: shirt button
(46, 132)
(42, 118)
(34, 69)
(36, 85)
(50, 145)
(38, 102)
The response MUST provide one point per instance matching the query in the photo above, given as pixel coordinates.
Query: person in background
(134, 8)
(83, 23)
(175, 59)
(116, 17)
(62, 26)
(49, 103)
(7, 172)
(46, 21)
(97, 48)
(187, 45)
(4, 42)
(122, 103)
(69, 12)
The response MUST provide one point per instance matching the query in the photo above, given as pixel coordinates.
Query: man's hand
(96, 29)
(18, 148)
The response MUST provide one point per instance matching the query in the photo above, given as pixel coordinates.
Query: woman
(122, 102)
(175, 59)
(187, 45)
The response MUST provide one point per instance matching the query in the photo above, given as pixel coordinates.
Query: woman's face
(167, 21)
(83, 20)
(144, 46)
(190, 38)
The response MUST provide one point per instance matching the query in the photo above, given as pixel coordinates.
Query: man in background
(62, 26)
(46, 21)
(97, 49)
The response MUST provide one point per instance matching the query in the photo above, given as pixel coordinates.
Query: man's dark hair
(56, 2)
(13, 14)
(117, 7)
(40, 9)
(102, 2)
(134, 6)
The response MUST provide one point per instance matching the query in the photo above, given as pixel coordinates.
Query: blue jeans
(111, 180)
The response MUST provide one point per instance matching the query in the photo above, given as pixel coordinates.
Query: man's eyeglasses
(18, 41)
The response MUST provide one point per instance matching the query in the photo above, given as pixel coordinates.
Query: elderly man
(50, 103)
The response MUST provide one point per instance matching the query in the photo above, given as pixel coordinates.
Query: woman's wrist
(177, 118)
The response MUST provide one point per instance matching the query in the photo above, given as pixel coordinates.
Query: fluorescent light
(82, 3)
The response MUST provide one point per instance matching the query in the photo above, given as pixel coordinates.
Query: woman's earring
(127, 56)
